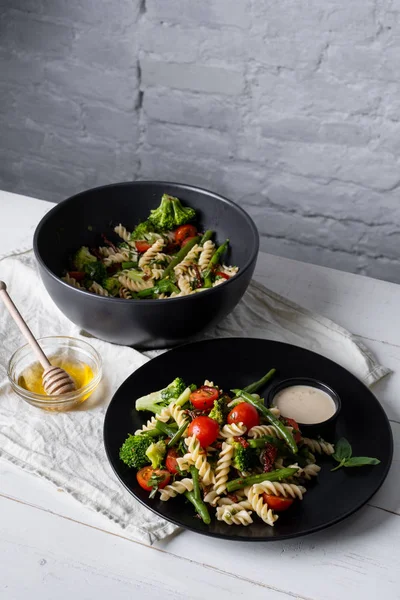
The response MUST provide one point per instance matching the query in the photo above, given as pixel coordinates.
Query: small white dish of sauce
(305, 404)
(309, 402)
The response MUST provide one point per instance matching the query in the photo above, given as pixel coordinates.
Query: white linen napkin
(67, 448)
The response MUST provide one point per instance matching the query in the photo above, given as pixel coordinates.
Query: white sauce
(305, 404)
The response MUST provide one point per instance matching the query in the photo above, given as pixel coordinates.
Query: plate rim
(234, 538)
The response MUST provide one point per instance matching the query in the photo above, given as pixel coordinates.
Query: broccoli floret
(182, 214)
(244, 458)
(112, 286)
(142, 231)
(170, 214)
(219, 411)
(163, 218)
(174, 390)
(156, 401)
(156, 452)
(83, 257)
(133, 450)
(95, 271)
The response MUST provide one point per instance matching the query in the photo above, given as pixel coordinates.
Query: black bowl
(81, 219)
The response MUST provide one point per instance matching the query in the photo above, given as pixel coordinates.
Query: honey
(31, 378)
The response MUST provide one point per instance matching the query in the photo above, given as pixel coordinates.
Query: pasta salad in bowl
(165, 256)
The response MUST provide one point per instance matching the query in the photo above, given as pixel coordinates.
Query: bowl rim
(183, 186)
(63, 398)
(312, 382)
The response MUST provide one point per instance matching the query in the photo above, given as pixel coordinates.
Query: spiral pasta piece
(206, 254)
(232, 517)
(123, 233)
(211, 498)
(189, 259)
(125, 293)
(164, 416)
(307, 472)
(233, 430)
(222, 468)
(260, 430)
(151, 253)
(262, 509)
(157, 272)
(280, 489)
(197, 457)
(239, 505)
(96, 288)
(184, 285)
(175, 488)
(178, 414)
(230, 271)
(72, 281)
(116, 257)
(135, 286)
(319, 446)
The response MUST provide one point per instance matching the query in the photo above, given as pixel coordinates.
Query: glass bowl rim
(64, 398)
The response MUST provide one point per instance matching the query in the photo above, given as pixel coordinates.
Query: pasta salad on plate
(165, 256)
(226, 453)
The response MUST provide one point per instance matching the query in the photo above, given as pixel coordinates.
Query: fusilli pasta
(280, 489)
(260, 430)
(233, 517)
(135, 285)
(206, 254)
(222, 468)
(175, 488)
(319, 446)
(72, 281)
(96, 288)
(232, 430)
(262, 509)
(151, 253)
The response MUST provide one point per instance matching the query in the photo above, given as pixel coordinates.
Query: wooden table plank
(47, 556)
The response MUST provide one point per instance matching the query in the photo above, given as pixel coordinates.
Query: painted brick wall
(291, 108)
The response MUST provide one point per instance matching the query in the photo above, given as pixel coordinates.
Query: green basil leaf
(359, 461)
(342, 450)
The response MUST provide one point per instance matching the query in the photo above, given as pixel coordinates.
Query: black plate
(235, 362)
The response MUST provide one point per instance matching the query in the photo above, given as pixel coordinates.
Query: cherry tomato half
(204, 397)
(297, 433)
(205, 429)
(183, 232)
(142, 246)
(244, 413)
(277, 503)
(144, 475)
(187, 240)
(223, 275)
(78, 275)
(170, 461)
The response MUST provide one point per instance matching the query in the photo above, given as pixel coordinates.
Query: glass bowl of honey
(81, 361)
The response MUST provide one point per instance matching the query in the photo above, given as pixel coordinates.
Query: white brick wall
(291, 108)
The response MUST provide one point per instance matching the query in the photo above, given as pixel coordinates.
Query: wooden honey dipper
(55, 380)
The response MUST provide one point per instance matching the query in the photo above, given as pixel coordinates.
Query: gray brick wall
(291, 108)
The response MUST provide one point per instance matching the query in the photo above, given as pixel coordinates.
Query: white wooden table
(53, 548)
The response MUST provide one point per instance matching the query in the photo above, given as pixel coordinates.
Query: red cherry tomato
(204, 397)
(205, 429)
(144, 475)
(297, 433)
(78, 275)
(187, 240)
(183, 232)
(170, 461)
(221, 274)
(277, 503)
(142, 246)
(244, 413)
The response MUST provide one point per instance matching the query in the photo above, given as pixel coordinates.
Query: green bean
(168, 430)
(207, 235)
(200, 507)
(175, 439)
(196, 485)
(237, 484)
(213, 262)
(256, 385)
(285, 433)
(181, 255)
(129, 264)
